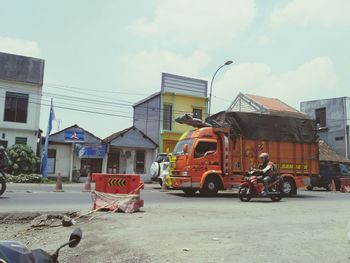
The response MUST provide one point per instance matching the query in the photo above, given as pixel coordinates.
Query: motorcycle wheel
(242, 194)
(2, 183)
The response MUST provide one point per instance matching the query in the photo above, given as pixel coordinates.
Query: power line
(52, 85)
(93, 101)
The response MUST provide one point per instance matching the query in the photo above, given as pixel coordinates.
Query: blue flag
(46, 146)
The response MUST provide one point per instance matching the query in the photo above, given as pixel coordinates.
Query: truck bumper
(181, 182)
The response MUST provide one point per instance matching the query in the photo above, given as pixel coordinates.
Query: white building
(75, 149)
(21, 80)
(130, 151)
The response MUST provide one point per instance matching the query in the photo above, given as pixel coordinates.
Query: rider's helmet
(264, 157)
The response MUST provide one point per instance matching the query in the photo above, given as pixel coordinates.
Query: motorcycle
(251, 186)
(3, 166)
(16, 252)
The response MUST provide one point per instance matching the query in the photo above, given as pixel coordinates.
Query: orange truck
(218, 153)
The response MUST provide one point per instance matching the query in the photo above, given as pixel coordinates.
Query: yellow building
(156, 114)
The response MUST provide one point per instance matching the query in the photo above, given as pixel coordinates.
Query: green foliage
(22, 160)
(26, 178)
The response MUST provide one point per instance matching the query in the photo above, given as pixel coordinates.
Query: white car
(159, 168)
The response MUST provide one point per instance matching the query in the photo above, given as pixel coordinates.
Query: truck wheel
(210, 187)
(289, 187)
(189, 191)
(2, 183)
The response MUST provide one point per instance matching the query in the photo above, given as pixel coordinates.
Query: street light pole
(211, 84)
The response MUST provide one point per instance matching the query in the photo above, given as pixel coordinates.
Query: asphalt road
(41, 197)
(310, 227)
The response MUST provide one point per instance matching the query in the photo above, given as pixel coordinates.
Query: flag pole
(46, 145)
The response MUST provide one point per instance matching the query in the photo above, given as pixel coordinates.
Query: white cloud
(304, 12)
(205, 23)
(142, 71)
(19, 46)
(313, 79)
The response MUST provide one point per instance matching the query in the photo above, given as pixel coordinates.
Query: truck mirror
(185, 148)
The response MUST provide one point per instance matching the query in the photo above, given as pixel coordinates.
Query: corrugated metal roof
(136, 140)
(272, 104)
(184, 85)
(146, 99)
(327, 154)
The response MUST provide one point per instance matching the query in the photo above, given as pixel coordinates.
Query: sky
(103, 56)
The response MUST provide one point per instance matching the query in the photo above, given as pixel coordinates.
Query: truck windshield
(178, 148)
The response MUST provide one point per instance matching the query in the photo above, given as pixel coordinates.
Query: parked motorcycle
(3, 166)
(252, 186)
(16, 252)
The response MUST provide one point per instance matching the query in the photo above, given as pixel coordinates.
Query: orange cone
(87, 187)
(333, 189)
(58, 187)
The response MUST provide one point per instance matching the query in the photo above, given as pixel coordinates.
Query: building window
(16, 107)
(51, 161)
(340, 138)
(321, 117)
(167, 117)
(197, 113)
(113, 162)
(3, 143)
(21, 140)
(140, 162)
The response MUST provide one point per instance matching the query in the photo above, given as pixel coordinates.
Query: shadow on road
(235, 195)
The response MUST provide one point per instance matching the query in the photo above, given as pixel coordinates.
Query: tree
(22, 159)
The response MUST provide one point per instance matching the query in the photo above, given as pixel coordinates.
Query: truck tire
(189, 191)
(210, 186)
(2, 183)
(289, 187)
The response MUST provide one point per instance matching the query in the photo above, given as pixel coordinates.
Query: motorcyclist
(268, 170)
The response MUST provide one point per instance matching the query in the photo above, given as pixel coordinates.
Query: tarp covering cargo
(266, 127)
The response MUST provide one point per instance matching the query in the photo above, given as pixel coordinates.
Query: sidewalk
(70, 187)
(67, 187)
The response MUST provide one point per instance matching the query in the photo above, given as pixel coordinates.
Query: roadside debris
(127, 203)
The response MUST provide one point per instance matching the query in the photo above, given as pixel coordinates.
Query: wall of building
(147, 118)
(63, 159)
(10, 136)
(127, 164)
(335, 121)
(10, 130)
(181, 104)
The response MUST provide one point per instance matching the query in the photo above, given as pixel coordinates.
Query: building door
(113, 162)
(90, 165)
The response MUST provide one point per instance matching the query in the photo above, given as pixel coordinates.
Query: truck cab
(196, 162)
